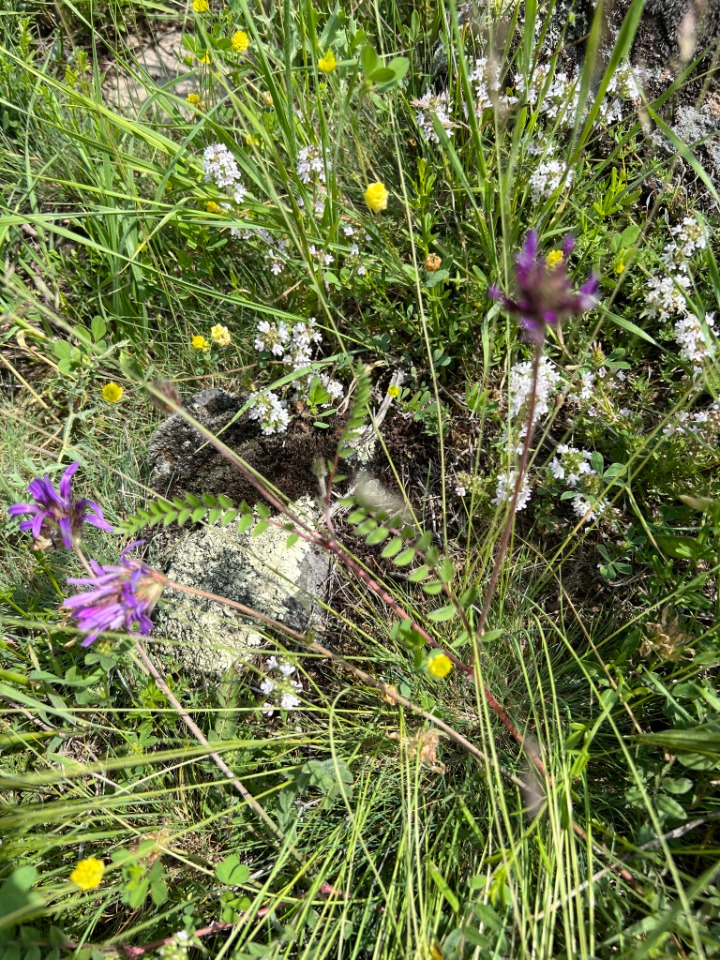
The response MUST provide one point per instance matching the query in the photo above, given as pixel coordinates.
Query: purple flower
(55, 512)
(120, 599)
(545, 293)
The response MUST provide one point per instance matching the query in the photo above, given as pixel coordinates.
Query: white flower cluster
(702, 423)
(668, 296)
(506, 488)
(280, 687)
(220, 168)
(689, 335)
(271, 411)
(276, 248)
(271, 337)
(548, 177)
(333, 387)
(322, 257)
(486, 76)
(429, 106)
(571, 465)
(521, 388)
(311, 165)
(293, 347)
(557, 99)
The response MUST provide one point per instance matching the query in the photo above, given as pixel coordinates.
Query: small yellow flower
(201, 6)
(112, 392)
(195, 101)
(327, 63)
(376, 197)
(200, 343)
(554, 258)
(251, 141)
(212, 207)
(220, 335)
(240, 41)
(88, 873)
(204, 57)
(619, 267)
(394, 392)
(439, 665)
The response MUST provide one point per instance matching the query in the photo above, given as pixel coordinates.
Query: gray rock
(155, 63)
(282, 582)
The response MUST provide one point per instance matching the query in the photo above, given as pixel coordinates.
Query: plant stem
(509, 523)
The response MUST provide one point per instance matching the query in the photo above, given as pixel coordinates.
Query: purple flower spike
(545, 293)
(54, 515)
(120, 598)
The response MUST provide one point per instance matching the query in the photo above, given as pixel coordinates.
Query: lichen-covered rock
(262, 572)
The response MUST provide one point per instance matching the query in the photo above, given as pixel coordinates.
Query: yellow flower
(394, 392)
(554, 258)
(204, 58)
(220, 335)
(240, 41)
(88, 873)
(212, 207)
(201, 6)
(376, 197)
(195, 101)
(619, 267)
(200, 343)
(440, 665)
(251, 141)
(112, 392)
(327, 63)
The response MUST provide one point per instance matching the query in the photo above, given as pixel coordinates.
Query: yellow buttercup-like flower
(554, 258)
(212, 207)
(220, 335)
(200, 343)
(201, 6)
(240, 41)
(204, 57)
(394, 392)
(195, 100)
(440, 665)
(112, 392)
(327, 63)
(376, 197)
(88, 873)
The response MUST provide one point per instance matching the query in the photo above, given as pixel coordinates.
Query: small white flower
(695, 347)
(311, 165)
(548, 177)
(271, 411)
(287, 669)
(288, 701)
(267, 686)
(220, 166)
(506, 488)
(271, 663)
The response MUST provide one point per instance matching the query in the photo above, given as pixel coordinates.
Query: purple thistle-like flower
(545, 293)
(121, 598)
(55, 514)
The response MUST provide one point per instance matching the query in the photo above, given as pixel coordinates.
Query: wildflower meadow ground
(453, 271)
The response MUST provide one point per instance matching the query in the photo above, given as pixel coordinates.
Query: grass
(394, 812)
